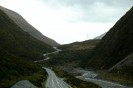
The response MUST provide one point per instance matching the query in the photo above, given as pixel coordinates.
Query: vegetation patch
(17, 51)
(72, 81)
(122, 76)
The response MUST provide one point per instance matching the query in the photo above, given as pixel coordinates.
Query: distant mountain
(73, 53)
(21, 22)
(115, 46)
(84, 45)
(100, 37)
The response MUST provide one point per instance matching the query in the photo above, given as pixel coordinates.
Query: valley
(30, 59)
(90, 76)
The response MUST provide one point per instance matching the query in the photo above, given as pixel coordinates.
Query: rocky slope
(128, 61)
(24, 25)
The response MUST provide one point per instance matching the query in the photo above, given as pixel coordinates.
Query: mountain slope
(17, 48)
(116, 45)
(73, 53)
(23, 24)
(128, 61)
(14, 68)
(16, 41)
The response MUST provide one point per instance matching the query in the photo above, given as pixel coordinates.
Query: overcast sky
(68, 21)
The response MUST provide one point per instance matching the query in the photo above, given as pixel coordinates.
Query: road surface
(54, 82)
(46, 55)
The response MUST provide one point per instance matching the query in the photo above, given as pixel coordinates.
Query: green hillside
(25, 26)
(17, 51)
(18, 42)
(115, 46)
(13, 69)
(113, 50)
(73, 53)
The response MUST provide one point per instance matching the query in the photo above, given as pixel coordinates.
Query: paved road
(46, 55)
(54, 82)
(102, 83)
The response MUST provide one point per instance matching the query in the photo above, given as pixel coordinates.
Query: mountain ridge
(115, 45)
(24, 25)
(17, 41)
(18, 50)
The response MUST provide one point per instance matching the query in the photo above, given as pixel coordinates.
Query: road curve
(54, 82)
(46, 55)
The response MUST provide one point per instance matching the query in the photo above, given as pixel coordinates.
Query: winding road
(46, 55)
(54, 82)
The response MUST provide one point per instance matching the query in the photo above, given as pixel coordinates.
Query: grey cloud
(93, 15)
(70, 2)
(122, 3)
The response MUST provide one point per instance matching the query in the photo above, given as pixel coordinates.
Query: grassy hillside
(85, 45)
(18, 42)
(72, 54)
(115, 46)
(122, 76)
(75, 52)
(74, 82)
(13, 69)
(24, 25)
(17, 49)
